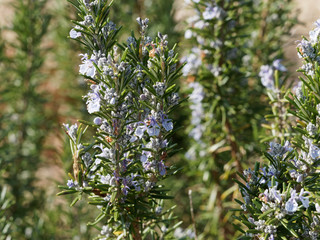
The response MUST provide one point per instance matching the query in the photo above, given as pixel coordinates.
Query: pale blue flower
(153, 129)
(200, 24)
(88, 20)
(193, 62)
(314, 35)
(87, 68)
(196, 132)
(133, 138)
(277, 150)
(275, 194)
(213, 12)
(144, 160)
(71, 130)
(311, 129)
(106, 231)
(167, 124)
(140, 131)
(200, 40)
(266, 74)
(299, 177)
(304, 200)
(74, 33)
(131, 40)
(197, 113)
(87, 159)
(306, 49)
(308, 68)
(188, 34)
(105, 153)
(291, 206)
(158, 210)
(161, 168)
(277, 65)
(126, 182)
(314, 152)
(97, 121)
(71, 183)
(105, 179)
(93, 99)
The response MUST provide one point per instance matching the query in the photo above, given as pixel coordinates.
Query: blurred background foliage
(222, 69)
(41, 88)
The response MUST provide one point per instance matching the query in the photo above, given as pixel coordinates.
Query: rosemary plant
(161, 12)
(269, 30)
(222, 109)
(227, 37)
(281, 199)
(132, 94)
(24, 121)
(274, 79)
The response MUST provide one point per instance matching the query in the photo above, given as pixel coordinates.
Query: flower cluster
(219, 92)
(267, 74)
(281, 198)
(279, 122)
(132, 94)
(197, 113)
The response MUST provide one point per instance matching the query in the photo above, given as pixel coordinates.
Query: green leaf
(71, 191)
(291, 230)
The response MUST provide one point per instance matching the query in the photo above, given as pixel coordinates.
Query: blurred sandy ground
(5, 12)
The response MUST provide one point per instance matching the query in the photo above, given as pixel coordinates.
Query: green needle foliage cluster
(268, 30)
(227, 100)
(24, 121)
(6, 201)
(132, 96)
(161, 12)
(281, 198)
(121, 154)
(279, 121)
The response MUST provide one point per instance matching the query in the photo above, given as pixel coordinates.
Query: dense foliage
(149, 160)
(281, 197)
(132, 93)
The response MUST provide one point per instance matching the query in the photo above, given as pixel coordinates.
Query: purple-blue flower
(304, 200)
(314, 152)
(193, 62)
(97, 121)
(162, 168)
(291, 206)
(167, 124)
(93, 99)
(266, 74)
(306, 49)
(71, 183)
(153, 129)
(87, 68)
(74, 33)
(213, 12)
(144, 160)
(140, 131)
(277, 65)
